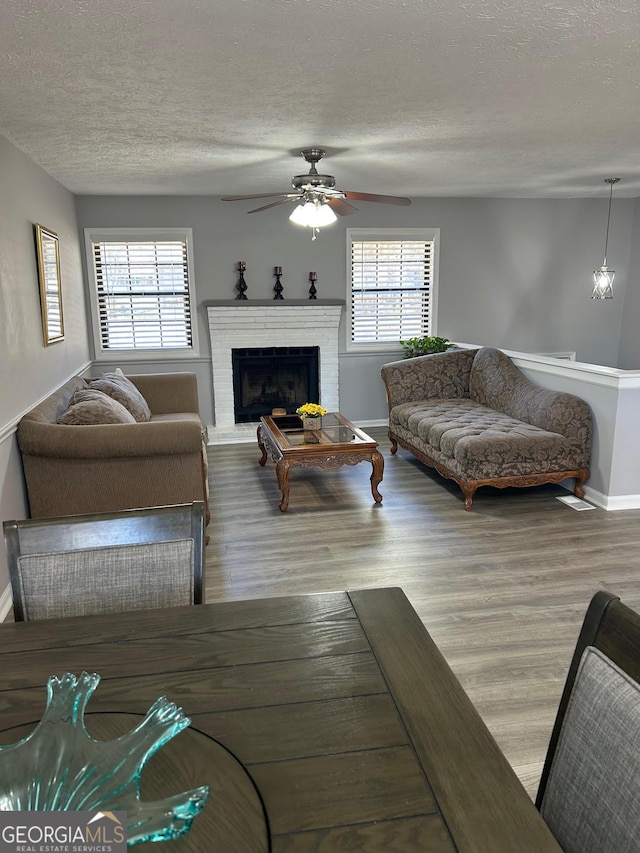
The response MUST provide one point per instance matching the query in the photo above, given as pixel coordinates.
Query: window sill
(390, 350)
(147, 355)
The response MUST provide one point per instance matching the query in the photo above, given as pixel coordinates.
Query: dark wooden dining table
(322, 723)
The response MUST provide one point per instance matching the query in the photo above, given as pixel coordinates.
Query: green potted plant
(425, 346)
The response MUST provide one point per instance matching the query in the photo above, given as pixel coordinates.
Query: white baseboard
(382, 422)
(611, 503)
(6, 603)
(236, 434)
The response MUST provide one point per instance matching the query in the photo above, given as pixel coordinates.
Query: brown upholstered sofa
(72, 469)
(475, 418)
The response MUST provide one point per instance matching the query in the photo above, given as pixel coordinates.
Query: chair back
(106, 562)
(589, 792)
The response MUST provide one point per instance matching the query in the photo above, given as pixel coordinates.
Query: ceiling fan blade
(340, 206)
(260, 195)
(381, 199)
(274, 204)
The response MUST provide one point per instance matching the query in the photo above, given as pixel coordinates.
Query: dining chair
(589, 793)
(80, 565)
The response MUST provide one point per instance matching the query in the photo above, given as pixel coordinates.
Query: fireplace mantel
(235, 324)
(271, 303)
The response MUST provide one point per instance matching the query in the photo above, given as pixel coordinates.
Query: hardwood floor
(502, 589)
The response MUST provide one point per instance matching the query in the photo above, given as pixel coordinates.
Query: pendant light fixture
(603, 278)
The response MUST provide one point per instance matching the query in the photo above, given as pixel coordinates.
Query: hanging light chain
(611, 182)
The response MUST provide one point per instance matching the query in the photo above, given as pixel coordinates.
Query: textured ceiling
(409, 97)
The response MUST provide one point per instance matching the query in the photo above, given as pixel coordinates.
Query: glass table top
(335, 429)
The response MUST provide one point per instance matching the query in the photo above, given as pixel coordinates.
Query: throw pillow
(125, 392)
(90, 407)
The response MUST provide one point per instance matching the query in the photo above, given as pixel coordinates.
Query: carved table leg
(282, 470)
(261, 446)
(377, 462)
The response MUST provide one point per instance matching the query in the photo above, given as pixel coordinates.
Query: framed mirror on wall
(48, 254)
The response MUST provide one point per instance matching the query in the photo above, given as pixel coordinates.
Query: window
(142, 294)
(392, 286)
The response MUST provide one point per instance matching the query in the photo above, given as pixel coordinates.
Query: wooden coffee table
(337, 443)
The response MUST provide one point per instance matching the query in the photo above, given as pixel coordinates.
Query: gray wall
(28, 369)
(629, 357)
(514, 273)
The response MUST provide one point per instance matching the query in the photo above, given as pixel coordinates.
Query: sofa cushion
(481, 442)
(125, 392)
(90, 407)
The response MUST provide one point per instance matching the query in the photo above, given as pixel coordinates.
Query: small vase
(311, 423)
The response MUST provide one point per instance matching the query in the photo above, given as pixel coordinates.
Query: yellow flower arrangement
(311, 410)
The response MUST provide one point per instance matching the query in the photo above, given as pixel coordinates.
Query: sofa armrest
(155, 438)
(554, 411)
(496, 382)
(168, 392)
(441, 375)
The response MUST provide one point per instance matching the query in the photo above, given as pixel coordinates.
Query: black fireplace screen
(267, 378)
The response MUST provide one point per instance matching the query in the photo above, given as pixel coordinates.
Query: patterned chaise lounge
(475, 418)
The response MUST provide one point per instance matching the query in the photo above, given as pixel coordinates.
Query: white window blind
(143, 296)
(391, 282)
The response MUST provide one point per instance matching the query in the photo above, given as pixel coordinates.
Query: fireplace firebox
(267, 378)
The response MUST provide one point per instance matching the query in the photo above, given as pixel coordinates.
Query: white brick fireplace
(257, 323)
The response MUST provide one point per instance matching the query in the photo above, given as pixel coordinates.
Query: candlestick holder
(241, 285)
(277, 287)
(312, 290)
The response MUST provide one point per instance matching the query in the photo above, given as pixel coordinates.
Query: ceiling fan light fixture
(318, 202)
(313, 214)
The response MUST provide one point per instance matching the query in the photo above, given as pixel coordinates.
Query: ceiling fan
(319, 200)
